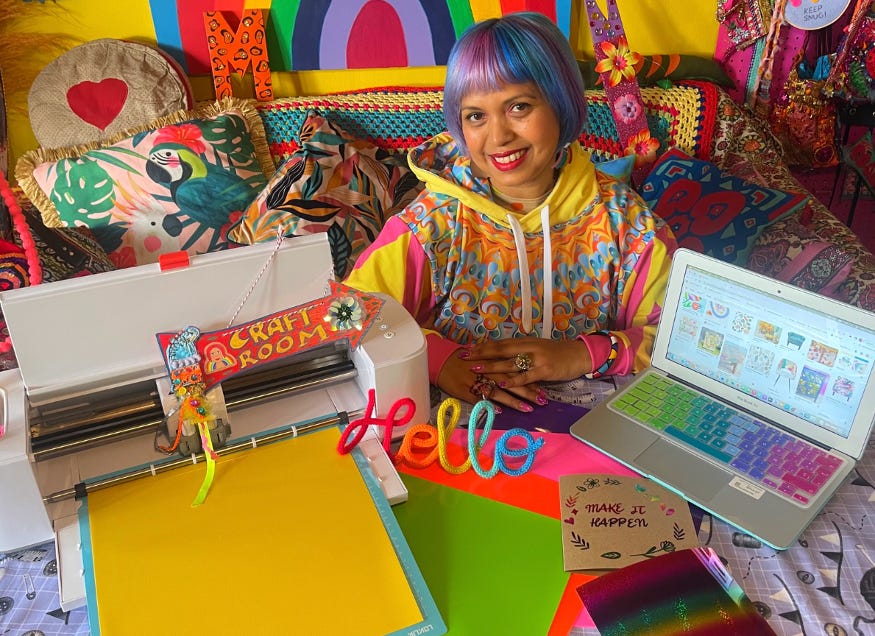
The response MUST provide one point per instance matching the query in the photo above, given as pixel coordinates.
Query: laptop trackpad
(693, 477)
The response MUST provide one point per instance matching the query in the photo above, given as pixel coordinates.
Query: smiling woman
(523, 264)
(494, 126)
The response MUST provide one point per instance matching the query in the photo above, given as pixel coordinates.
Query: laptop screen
(780, 356)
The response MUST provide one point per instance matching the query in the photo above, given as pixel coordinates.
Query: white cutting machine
(90, 392)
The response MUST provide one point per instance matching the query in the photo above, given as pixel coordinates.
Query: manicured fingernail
(525, 407)
(503, 384)
(464, 354)
(541, 399)
(497, 409)
(477, 368)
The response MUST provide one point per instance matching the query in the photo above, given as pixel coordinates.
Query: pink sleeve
(641, 305)
(599, 348)
(439, 349)
(395, 264)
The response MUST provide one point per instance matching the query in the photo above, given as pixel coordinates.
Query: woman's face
(512, 136)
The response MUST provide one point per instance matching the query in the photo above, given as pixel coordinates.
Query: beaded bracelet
(612, 356)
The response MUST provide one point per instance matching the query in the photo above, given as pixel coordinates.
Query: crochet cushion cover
(710, 211)
(400, 118)
(175, 184)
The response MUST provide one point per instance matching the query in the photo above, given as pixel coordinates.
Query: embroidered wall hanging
(615, 64)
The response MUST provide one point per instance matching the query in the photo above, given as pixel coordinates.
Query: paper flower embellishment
(627, 108)
(344, 314)
(643, 146)
(619, 61)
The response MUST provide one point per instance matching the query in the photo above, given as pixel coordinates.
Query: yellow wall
(666, 26)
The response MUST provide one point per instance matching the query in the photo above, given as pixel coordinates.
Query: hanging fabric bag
(803, 118)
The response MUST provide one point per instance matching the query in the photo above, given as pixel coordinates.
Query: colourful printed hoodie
(469, 270)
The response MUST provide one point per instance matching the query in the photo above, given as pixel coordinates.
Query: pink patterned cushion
(798, 256)
(861, 157)
(821, 267)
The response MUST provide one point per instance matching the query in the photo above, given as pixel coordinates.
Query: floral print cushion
(176, 184)
(744, 147)
(335, 183)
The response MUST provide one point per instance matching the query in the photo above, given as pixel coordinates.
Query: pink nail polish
(541, 399)
(525, 407)
(477, 368)
(503, 384)
(464, 354)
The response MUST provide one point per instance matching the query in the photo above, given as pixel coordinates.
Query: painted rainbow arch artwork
(377, 34)
(340, 34)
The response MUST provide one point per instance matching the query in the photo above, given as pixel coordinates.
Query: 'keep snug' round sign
(814, 14)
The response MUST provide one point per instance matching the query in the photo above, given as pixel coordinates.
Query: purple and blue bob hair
(515, 49)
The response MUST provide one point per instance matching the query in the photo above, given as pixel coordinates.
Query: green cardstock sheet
(492, 568)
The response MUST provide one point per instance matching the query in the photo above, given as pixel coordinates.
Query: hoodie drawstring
(547, 321)
(523, 264)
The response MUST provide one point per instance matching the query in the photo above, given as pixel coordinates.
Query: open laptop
(739, 356)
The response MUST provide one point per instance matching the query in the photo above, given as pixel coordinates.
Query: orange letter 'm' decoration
(230, 51)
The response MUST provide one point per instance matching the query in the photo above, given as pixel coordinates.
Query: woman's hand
(507, 372)
(527, 361)
(459, 380)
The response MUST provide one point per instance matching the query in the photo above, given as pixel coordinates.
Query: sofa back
(399, 118)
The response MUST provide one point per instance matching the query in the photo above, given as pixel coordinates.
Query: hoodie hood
(445, 170)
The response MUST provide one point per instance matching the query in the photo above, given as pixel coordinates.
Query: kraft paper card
(611, 521)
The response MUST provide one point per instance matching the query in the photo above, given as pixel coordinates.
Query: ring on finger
(483, 387)
(522, 361)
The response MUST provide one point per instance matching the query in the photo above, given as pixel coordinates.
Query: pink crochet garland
(35, 270)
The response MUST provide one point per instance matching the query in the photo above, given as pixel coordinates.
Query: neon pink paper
(561, 454)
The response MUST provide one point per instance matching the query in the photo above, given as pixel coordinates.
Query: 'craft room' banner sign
(344, 314)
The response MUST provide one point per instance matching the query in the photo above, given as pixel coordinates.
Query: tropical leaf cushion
(176, 184)
(333, 183)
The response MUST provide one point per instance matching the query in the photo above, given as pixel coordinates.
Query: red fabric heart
(98, 103)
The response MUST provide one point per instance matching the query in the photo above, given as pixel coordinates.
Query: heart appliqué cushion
(98, 103)
(101, 88)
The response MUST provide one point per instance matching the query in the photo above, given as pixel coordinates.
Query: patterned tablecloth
(824, 584)
(30, 604)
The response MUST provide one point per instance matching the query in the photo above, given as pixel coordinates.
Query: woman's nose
(499, 131)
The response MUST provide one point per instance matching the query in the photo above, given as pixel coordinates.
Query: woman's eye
(474, 117)
(519, 107)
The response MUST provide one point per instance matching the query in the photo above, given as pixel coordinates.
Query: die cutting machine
(90, 395)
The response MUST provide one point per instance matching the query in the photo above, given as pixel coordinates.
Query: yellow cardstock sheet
(611, 521)
(289, 541)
